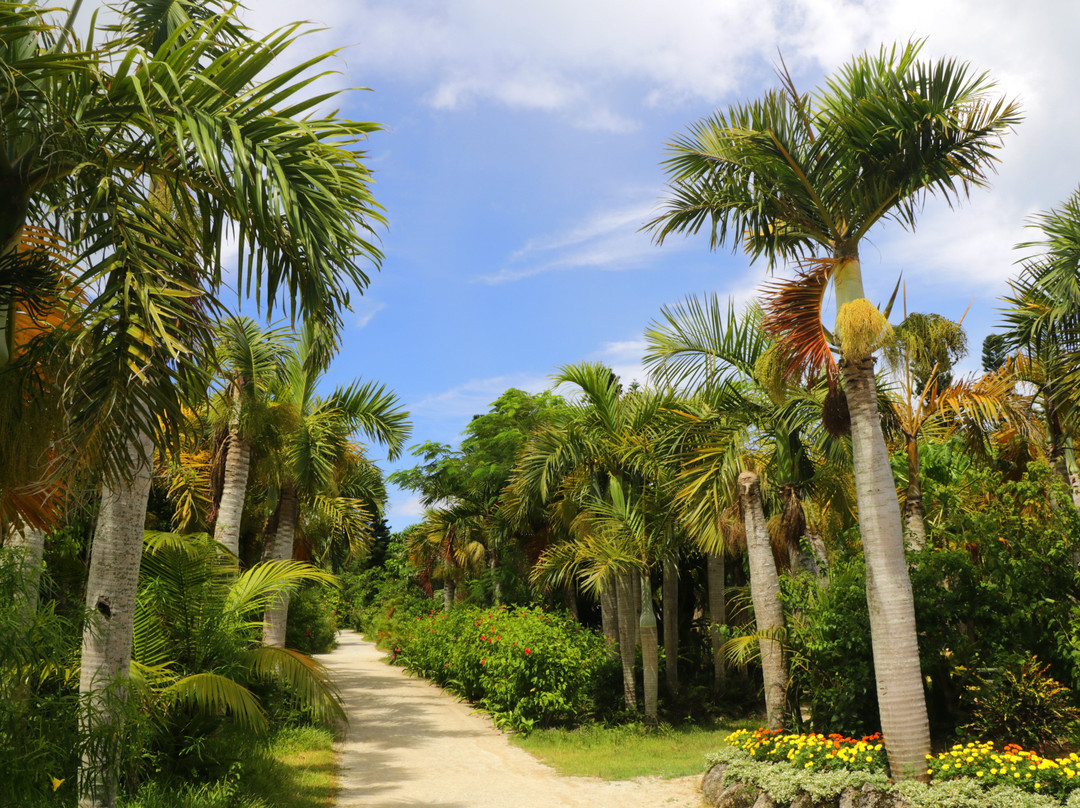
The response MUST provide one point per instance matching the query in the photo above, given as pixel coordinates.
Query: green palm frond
(306, 679)
(255, 589)
(215, 694)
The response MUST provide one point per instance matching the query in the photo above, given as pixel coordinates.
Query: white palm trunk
(914, 515)
(277, 615)
(901, 699)
(234, 486)
(29, 545)
(765, 592)
(650, 661)
(717, 616)
(609, 617)
(111, 589)
(671, 625)
(628, 628)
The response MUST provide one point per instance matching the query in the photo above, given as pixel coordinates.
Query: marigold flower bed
(814, 752)
(1011, 766)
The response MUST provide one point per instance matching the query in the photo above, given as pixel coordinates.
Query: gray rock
(804, 800)
(739, 795)
(866, 797)
(713, 784)
(764, 801)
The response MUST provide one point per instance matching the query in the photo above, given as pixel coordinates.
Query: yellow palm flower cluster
(813, 751)
(1012, 766)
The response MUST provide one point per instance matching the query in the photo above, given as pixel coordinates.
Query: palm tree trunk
(496, 582)
(29, 544)
(627, 630)
(609, 616)
(447, 594)
(717, 616)
(636, 606)
(650, 661)
(817, 546)
(234, 486)
(276, 618)
(914, 515)
(901, 699)
(111, 588)
(765, 593)
(671, 625)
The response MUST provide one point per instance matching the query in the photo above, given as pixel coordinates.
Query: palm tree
(791, 176)
(1043, 322)
(218, 144)
(197, 628)
(765, 592)
(252, 358)
(603, 457)
(928, 402)
(315, 440)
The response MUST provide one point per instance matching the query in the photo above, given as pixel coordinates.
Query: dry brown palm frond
(793, 315)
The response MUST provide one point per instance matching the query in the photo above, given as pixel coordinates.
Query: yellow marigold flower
(978, 774)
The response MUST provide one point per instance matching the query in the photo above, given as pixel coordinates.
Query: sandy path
(411, 744)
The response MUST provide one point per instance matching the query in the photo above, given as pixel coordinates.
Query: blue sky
(521, 155)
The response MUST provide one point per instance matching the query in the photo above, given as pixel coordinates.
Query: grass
(632, 750)
(296, 768)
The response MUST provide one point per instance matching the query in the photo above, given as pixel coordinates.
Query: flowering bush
(814, 752)
(524, 666)
(1012, 766)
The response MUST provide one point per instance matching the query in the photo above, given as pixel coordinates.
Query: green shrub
(312, 621)
(1026, 706)
(526, 667)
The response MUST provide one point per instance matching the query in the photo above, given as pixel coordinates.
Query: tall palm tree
(790, 176)
(315, 436)
(251, 358)
(602, 455)
(142, 154)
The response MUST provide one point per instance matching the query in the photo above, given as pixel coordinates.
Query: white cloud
(404, 510)
(366, 310)
(475, 396)
(609, 240)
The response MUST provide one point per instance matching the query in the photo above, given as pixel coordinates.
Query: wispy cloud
(475, 396)
(366, 310)
(609, 240)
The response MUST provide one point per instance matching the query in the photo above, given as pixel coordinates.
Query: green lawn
(619, 753)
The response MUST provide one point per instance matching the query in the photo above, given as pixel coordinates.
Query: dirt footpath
(411, 744)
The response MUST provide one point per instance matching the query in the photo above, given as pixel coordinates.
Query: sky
(521, 154)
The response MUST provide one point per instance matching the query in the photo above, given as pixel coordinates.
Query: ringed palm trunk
(765, 593)
(627, 631)
(717, 616)
(234, 486)
(914, 514)
(277, 615)
(29, 544)
(650, 661)
(901, 698)
(671, 625)
(111, 589)
(609, 617)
